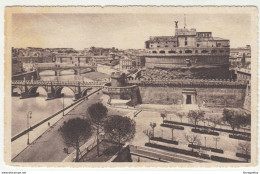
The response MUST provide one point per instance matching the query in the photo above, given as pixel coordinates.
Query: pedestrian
(49, 124)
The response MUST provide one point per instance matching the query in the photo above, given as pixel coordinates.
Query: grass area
(107, 151)
(95, 75)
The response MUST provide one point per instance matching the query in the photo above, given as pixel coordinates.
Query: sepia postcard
(140, 86)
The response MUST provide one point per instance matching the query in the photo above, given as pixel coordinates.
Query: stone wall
(188, 72)
(123, 156)
(131, 93)
(209, 96)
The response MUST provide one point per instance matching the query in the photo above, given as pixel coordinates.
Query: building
(237, 54)
(17, 66)
(33, 55)
(243, 74)
(125, 64)
(74, 59)
(187, 48)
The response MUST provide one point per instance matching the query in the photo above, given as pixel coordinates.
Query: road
(49, 146)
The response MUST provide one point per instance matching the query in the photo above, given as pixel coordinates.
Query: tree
(153, 125)
(163, 115)
(215, 121)
(195, 116)
(245, 149)
(192, 139)
(181, 115)
(245, 120)
(97, 114)
(236, 117)
(75, 132)
(119, 129)
(148, 133)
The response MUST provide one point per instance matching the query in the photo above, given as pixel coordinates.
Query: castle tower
(118, 79)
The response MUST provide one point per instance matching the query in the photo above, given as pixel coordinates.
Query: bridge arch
(16, 89)
(33, 90)
(58, 91)
(45, 70)
(75, 70)
(85, 92)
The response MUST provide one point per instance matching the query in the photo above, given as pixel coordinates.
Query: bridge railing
(38, 82)
(51, 66)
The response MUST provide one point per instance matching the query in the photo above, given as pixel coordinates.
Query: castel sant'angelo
(190, 68)
(190, 53)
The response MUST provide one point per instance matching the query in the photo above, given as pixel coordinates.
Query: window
(198, 45)
(151, 45)
(188, 51)
(171, 52)
(166, 45)
(221, 51)
(180, 51)
(154, 52)
(158, 46)
(162, 52)
(213, 51)
(196, 51)
(186, 43)
(188, 99)
(204, 51)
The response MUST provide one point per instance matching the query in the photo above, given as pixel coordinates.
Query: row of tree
(193, 139)
(235, 117)
(116, 128)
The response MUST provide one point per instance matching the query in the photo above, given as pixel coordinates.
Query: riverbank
(49, 146)
(95, 76)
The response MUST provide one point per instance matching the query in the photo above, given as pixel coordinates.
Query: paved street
(49, 146)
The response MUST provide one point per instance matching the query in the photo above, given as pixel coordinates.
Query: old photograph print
(147, 86)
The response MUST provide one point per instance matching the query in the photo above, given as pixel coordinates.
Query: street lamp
(162, 133)
(29, 116)
(216, 139)
(63, 105)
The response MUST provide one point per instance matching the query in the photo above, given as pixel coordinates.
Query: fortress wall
(160, 95)
(232, 97)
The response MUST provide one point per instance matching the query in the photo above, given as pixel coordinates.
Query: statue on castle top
(176, 24)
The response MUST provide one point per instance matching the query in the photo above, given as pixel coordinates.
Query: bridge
(57, 68)
(53, 88)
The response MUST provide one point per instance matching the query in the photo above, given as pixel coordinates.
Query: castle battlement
(228, 83)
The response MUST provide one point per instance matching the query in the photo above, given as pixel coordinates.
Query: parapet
(230, 83)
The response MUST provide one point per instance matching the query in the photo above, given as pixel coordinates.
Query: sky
(123, 31)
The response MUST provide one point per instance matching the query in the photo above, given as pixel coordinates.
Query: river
(39, 107)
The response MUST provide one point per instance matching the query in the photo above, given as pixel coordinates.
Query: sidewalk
(49, 146)
(83, 149)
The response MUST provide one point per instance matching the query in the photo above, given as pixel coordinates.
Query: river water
(39, 107)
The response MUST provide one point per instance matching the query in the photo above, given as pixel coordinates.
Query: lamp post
(162, 133)
(63, 105)
(29, 116)
(216, 139)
